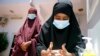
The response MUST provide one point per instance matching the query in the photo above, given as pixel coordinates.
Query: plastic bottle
(89, 51)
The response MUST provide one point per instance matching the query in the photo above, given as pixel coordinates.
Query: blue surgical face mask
(31, 16)
(61, 24)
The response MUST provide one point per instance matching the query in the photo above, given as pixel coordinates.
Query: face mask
(61, 24)
(31, 16)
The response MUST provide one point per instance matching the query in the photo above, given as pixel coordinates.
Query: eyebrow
(57, 16)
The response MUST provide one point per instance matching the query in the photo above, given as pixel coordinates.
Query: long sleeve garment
(28, 32)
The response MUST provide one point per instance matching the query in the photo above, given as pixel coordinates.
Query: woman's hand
(25, 45)
(64, 51)
(48, 51)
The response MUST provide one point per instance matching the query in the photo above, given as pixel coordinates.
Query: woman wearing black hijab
(60, 29)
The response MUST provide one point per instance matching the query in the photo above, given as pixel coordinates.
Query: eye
(57, 17)
(64, 19)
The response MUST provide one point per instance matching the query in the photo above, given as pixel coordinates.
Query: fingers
(50, 46)
(63, 47)
(23, 46)
(28, 43)
(48, 51)
(64, 51)
(43, 52)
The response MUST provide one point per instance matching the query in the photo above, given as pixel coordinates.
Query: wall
(13, 25)
(94, 24)
(10, 28)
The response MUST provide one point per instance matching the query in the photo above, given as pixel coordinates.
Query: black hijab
(70, 35)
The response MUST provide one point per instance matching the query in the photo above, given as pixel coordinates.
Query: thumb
(50, 46)
(28, 43)
(63, 47)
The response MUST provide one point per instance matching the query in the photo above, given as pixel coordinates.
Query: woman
(61, 31)
(26, 39)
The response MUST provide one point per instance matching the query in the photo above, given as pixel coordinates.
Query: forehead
(61, 14)
(32, 11)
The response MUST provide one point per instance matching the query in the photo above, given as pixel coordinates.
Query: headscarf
(30, 27)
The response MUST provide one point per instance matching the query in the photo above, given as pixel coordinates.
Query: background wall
(94, 23)
(13, 25)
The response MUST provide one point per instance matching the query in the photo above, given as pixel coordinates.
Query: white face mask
(61, 24)
(31, 16)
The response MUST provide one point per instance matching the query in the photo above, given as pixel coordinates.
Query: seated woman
(61, 31)
(27, 37)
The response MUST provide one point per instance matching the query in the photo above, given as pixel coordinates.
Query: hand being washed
(48, 51)
(64, 51)
(60, 52)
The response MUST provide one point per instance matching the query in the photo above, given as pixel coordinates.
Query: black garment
(70, 35)
(59, 37)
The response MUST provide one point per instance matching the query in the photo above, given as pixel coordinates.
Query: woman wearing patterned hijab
(27, 37)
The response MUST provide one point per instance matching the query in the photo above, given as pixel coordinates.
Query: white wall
(11, 28)
(13, 25)
(82, 20)
(94, 24)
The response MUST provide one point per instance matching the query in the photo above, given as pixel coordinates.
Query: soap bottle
(89, 51)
